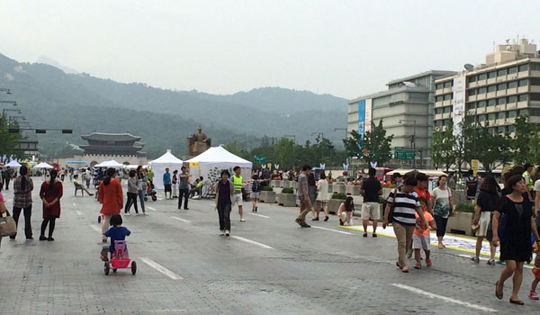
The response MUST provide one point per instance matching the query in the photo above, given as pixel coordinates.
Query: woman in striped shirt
(405, 203)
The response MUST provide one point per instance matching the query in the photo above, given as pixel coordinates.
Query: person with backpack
(255, 190)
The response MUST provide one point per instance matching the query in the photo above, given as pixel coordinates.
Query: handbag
(7, 226)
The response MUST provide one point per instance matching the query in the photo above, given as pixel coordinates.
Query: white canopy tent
(13, 164)
(167, 160)
(210, 163)
(110, 164)
(43, 165)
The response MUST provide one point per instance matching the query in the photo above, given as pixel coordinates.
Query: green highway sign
(260, 158)
(399, 149)
(404, 155)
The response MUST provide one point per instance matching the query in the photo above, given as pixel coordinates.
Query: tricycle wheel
(107, 268)
(133, 267)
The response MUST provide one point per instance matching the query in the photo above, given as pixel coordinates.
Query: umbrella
(43, 165)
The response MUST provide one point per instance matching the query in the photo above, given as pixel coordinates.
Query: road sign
(260, 158)
(399, 149)
(404, 155)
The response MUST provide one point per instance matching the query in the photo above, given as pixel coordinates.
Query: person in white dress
(322, 195)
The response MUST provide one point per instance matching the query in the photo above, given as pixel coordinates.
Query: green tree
(9, 140)
(492, 150)
(375, 147)
(524, 144)
(238, 148)
(442, 148)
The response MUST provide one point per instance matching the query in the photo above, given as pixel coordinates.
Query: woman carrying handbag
(7, 224)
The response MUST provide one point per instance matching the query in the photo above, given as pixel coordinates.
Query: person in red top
(51, 191)
(111, 197)
(422, 191)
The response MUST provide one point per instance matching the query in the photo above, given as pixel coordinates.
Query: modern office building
(506, 86)
(407, 110)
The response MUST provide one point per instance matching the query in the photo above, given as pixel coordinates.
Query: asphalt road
(269, 265)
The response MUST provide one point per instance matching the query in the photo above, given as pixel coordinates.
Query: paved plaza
(269, 265)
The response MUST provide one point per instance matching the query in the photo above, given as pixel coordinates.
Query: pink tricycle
(120, 259)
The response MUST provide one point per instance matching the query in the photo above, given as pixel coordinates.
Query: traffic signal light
(357, 154)
(390, 155)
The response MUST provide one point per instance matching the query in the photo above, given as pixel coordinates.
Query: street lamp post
(413, 142)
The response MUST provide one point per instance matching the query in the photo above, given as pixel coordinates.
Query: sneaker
(409, 253)
(428, 263)
(475, 260)
(305, 225)
(222, 233)
(341, 222)
(50, 239)
(315, 219)
(533, 296)
(299, 221)
(418, 266)
(365, 234)
(42, 238)
(227, 233)
(491, 262)
(30, 239)
(242, 220)
(129, 213)
(374, 235)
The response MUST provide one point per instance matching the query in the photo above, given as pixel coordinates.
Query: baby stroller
(150, 192)
(120, 259)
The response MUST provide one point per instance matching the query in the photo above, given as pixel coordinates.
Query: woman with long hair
(132, 193)
(485, 205)
(111, 197)
(141, 184)
(346, 207)
(22, 200)
(322, 195)
(443, 207)
(512, 228)
(50, 193)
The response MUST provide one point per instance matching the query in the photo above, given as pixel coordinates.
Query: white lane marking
(79, 213)
(153, 209)
(95, 228)
(485, 259)
(161, 269)
(180, 219)
(331, 230)
(252, 242)
(444, 298)
(259, 215)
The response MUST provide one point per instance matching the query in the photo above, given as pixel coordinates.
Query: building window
(511, 129)
(438, 86)
(482, 90)
(438, 110)
(512, 99)
(482, 76)
(447, 97)
(523, 97)
(501, 115)
(492, 74)
(501, 72)
(501, 100)
(491, 130)
(501, 87)
(438, 123)
(500, 130)
(471, 92)
(535, 81)
(512, 114)
(471, 105)
(491, 116)
(472, 78)
(524, 67)
(512, 85)
(512, 70)
(534, 111)
(523, 82)
(522, 112)
(481, 118)
(491, 88)
(535, 97)
(448, 84)
(447, 122)
(447, 109)
(491, 102)
(535, 66)
(439, 98)
(481, 104)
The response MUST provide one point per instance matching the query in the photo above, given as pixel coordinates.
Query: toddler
(421, 237)
(117, 233)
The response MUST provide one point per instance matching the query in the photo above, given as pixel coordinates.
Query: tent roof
(13, 163)
(43, 165)
(167, 158)
(220, 155)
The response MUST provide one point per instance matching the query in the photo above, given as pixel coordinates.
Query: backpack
(255, 187)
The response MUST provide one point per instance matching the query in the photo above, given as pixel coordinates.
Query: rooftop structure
(121, 144)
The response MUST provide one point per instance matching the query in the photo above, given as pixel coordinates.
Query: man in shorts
(371, 190)
(167, 183)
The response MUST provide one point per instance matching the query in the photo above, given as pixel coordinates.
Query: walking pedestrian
(422, 191)
(471, 183)
(50, 193)
(150, 176)
(404, 202)
(485, 205)
(175, 184)
(132, 193)
(421, 237)
(256, 184)
(183, 188)
(224, 199)
(303, 195)
(111, 197)
(443, 208)
(512, 228)
(22, 201)
(371, 190)
(167, 183)
(141, 184)
(529, 180)
(6, 176)
(312, 191)
(322, 195)
(238, 182)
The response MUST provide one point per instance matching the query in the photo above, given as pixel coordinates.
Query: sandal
(499, 296)
(518, 302)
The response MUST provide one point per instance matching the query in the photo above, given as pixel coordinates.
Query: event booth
(167, 160)
(210, 163)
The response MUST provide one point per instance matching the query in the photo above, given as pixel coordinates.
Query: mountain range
(50, 98)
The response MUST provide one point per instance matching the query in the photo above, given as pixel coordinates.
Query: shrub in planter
(266, 188)
(287, 190)
(339, 196)
(465, 207)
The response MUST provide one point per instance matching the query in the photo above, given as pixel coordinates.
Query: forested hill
(50, 98)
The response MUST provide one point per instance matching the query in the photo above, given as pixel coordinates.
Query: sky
(340, 47)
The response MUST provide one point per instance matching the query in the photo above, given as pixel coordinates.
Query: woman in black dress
(513, 214)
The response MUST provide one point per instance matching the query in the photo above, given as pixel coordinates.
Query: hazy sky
(345, 48)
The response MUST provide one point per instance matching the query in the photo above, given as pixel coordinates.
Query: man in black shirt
(371, 190)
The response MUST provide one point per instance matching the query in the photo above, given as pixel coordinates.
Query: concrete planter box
(275, 183)
(292, 184)
(333, 205)
(267, 196)
(287, 200)
(460, 223)
(353, 190)
(339, 188)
